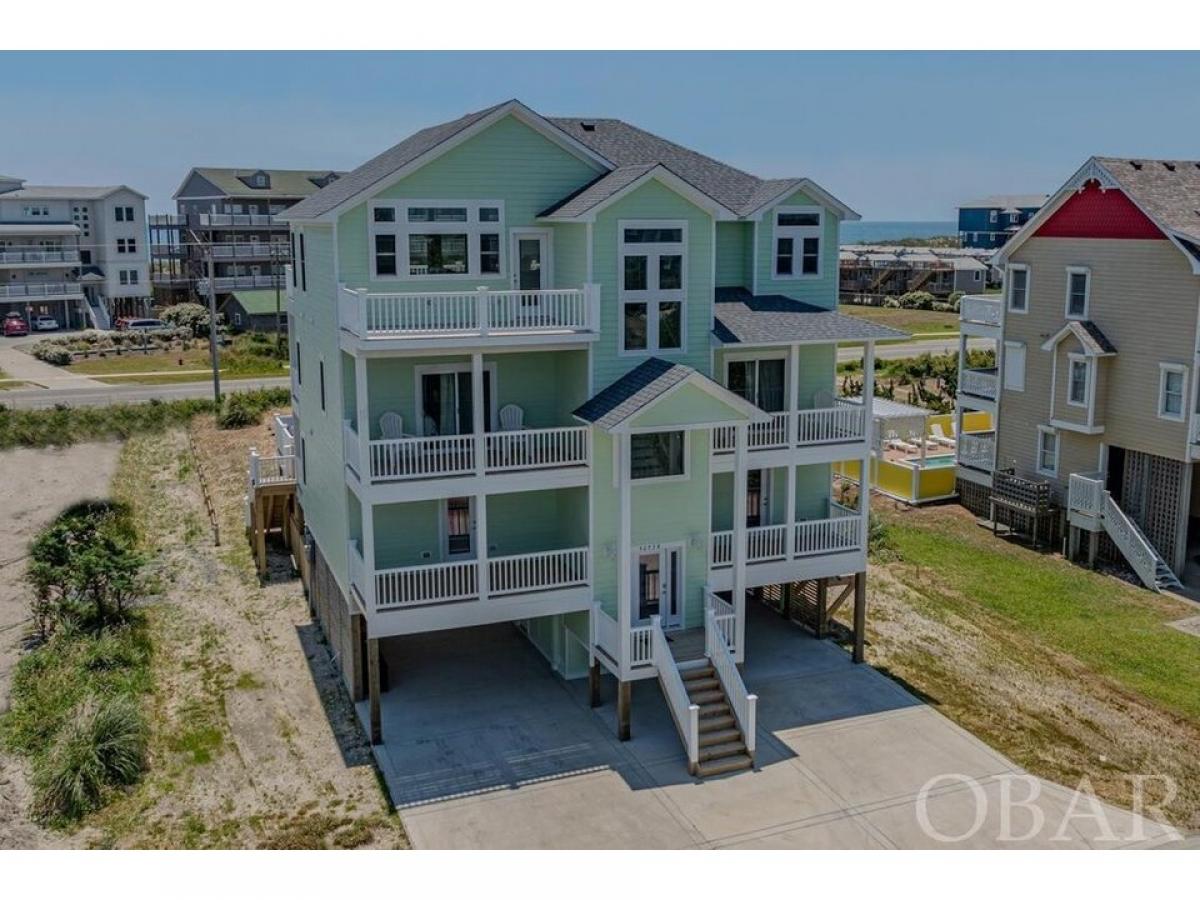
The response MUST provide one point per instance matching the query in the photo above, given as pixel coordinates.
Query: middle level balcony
(382, 321)
(826, 433)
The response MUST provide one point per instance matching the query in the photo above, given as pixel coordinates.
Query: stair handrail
(685, 713)
(742, 702)
(1133, 544)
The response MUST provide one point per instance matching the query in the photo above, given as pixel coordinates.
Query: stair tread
(697, 685)
(703, 698)
(722, 766)
(698, 672)
(720, 751)
(714, 709)
(716, 723)
(720, 736)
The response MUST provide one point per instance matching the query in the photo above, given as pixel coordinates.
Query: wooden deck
(686, 644)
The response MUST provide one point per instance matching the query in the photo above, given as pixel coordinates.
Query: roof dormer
(322, 180)
(259, 180)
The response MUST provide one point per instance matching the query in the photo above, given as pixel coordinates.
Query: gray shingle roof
(64, 192)
(743, 318)
(1088, 333)
(1007, 201)
(384, 165)
(632, 391)
(595, 192)
(1167, 189)
(283, 182)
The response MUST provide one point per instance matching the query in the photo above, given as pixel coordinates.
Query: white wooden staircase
(722, 746)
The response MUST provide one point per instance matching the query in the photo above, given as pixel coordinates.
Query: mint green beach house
(564, 373)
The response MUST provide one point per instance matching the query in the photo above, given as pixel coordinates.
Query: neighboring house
(877, 271)
(565, 373)
(255, 310)
(1095, 387)
(233, 212)
(989, 222)
(78, 254)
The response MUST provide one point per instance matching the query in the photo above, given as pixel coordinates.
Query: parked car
(142, 325)
(45, 323)
(14, 325)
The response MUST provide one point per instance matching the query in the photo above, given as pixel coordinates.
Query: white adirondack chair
(391, 426)
(512, 418)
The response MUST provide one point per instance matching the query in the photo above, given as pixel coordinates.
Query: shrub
(917, 300)
(189, 317)
(102, 746)
(890, 303)
(237, 412)
(53, 353)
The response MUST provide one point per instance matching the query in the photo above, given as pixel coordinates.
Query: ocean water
(882, 232)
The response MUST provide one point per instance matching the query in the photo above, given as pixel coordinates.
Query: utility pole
(277, 274)
(213, 351)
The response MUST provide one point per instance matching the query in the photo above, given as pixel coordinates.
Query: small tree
(192, 316)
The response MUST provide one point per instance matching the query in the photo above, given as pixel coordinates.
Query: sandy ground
(35, 486)
(254, 742)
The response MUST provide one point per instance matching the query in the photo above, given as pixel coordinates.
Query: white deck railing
(538, 571)
(469, 313)
(237, 282)
(977, 450)
(979, 383)
(724, 618)
(766, 542)
(50, 289)
(607, 633)
(356, 568)
(285, 437)
(252, 250)
(1085, 493)
(641, 645)
(418, 585)
(838, 534)
(351, 450)
(537, 448)
(422, 457)
(244, 220)
(271, 469)
(685, 713)
(981, 310)
(742, 702)
(828, 425)
(39, 256)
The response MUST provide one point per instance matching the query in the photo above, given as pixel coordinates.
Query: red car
(14, 325)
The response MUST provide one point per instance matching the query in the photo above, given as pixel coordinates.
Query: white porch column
(794, 394)
(362, 416)
(864, 493)
(481, 545)
(791, 510)
(368, 555)
(958, 410)
(478, 422)
(740, 471)
(624, 545)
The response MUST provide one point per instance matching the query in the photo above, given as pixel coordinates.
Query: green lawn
(914, 321)
(184, 376)
(247, 357)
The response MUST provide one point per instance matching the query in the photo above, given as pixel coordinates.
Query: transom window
(652, 287)
(798, 241)
(428, 239)
(1078, 288)
(658, 454)
(1077, 385)
(1018, 288)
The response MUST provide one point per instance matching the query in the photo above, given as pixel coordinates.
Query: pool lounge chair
(939, 435)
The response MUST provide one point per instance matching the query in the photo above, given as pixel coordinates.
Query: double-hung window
(1047, 451)
(1077, 381)
(124, 213)
(428, 239)
(653, 293)
(1079, 284)
(1018, 288)
(1171, 380)
(798, 241)
(658, 454)
(126, 245)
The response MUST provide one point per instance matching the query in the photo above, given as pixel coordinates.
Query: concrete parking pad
(485, 747)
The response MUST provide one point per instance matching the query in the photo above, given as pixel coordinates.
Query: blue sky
(895, 135)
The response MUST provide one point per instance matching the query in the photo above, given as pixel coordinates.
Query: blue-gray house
(990, 221)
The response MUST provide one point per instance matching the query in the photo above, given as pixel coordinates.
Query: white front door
(530, 261)
(658, 585)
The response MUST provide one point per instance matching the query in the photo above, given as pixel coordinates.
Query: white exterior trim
(1037, 459)
(798, 234)
(1165, 368)
(652, 295)
(1079, 359)
(1087, 293)
(1009, 269)
(401, 229)
(669, 180)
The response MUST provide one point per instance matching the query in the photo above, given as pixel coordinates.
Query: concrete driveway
(485, 748)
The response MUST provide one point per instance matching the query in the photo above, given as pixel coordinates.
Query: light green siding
(819, 291)
(813, 485)
(735, 254)
(689, 405)
(510, 162)
(531, 521)
(817, 370)
(408, 534)
(652, 201)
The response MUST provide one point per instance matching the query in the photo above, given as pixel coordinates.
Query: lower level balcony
(448, 456)
(842, 423)
(39, 289)
(840, 532)
(977, 450)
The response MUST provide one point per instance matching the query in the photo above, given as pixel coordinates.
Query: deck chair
(939, 435)
(391, 426)
(896, 444)
(512, 418)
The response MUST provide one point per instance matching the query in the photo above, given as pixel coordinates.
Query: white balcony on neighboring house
(824, 434)
(979, 385)
(977, 450)
(252, 250)
(980, 315)
(35, 256)
(238, 220)
(240, 282)
(59, 290)
(790, 552)
(464, 318)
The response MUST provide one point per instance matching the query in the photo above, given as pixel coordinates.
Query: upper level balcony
(980, 314)
(979, 384)
(51, 290)
(239, 220)
(826, 433)
(38, 256)
(240, 282)
(462, 318)
(977, 450)
(252, 250)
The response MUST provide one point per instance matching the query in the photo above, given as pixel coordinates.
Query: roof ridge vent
(1137, 165)
(1169, 166)
(587, 124)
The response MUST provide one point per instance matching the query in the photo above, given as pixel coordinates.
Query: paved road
(108, 394)
(913, 348)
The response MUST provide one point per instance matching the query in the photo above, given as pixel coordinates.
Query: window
(1078, 289)
(385, 254)
(760, 381)
(123, 275)
(652, 289)
(1171, 379)
(659, 454)
(133, 276)
(1014, 366)
(1018, 288)
(798, 241)
(1047, 451)
(299, 373)
(292, 238)
(425, 239)
(321, 378)
(126, 245)
(303, 268)
(1077, 381)
(35, 212)
(124, 213)
(303, 462)
(976, 275)
(993, 216)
